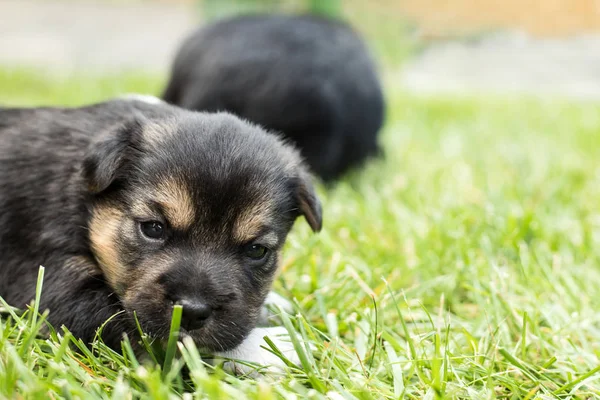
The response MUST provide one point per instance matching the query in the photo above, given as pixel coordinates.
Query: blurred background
(426, 46)
(484, 216)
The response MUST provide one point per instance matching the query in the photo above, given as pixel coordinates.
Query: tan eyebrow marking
(176, 200)
(249, 223)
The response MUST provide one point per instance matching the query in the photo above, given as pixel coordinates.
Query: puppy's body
(84, 191)
(308, 77)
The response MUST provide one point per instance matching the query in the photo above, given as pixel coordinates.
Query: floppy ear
(107, 156)
(308, 202)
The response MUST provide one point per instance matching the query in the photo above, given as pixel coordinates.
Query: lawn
(466, 264)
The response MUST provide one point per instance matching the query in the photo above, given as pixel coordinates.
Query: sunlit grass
(463, 265)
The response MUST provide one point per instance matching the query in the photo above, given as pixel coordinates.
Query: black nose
(195, 313)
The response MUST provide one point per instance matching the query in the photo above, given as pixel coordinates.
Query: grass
(463, 265)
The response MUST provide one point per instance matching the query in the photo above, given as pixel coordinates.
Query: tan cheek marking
(177, 203)
(145, 284)
(249, 223)
(104, 231)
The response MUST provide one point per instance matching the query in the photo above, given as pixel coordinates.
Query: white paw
(146, 98)
(270, 309)
(275, 300)
(253, 350)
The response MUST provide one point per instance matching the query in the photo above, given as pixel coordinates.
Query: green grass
(463, 265)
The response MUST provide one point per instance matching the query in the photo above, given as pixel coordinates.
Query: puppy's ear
(308, 202)
(108, 155)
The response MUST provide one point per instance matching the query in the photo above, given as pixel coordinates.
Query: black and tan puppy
(310, 78)
(134, 207)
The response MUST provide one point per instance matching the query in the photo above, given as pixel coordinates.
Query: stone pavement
(76, 35)
(83, 35)
(508, 63)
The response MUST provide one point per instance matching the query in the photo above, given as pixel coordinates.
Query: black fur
(59, 166)
(309, 77)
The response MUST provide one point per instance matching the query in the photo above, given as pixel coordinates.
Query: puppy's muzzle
(195, 313)
(201, 297)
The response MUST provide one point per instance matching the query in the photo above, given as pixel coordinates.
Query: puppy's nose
(195, 313)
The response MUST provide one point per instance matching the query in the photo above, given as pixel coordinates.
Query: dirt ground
(546, 18)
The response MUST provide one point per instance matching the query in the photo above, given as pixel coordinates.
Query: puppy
(134, 207)
(307, 77)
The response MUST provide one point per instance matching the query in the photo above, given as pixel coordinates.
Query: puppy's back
(309, 77)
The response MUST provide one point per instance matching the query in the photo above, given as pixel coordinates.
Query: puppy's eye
(256, 252)
(153, 229)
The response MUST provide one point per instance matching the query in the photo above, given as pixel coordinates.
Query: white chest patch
(254, 350)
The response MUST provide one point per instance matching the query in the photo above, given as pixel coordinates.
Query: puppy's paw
(146, 98)
(275, 300)
(252, 354)
(270, 310)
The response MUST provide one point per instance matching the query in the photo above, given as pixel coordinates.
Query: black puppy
(135, 207)
(308, 77)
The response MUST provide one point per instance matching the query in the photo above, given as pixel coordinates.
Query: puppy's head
(194, 210)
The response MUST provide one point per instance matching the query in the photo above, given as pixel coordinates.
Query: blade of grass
(173, 338)
(582, 378)
(309, 368)
(397, 377)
